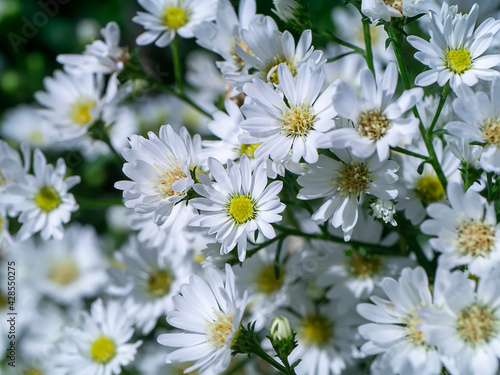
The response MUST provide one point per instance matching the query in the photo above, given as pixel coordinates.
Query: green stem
(329, 36)
(93, 203)
(409, 153)
(174, 46)
(397, 42)
(264, 244)
(266, 357)
(442, 100)
(277, 259)
(333, 59)
(368, 44)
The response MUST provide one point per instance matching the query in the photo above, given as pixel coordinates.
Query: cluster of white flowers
(313, 181)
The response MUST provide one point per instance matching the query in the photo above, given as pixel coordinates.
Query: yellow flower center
(238, 60)
(429, 188)
(491, 131)
(413, 334)
(47, 199)
(218, 331)
(267, 282)
(476, 238)
(363, 267)
(80, 111)
(373, 124)
(249, 149)
(3, 180)
(458, 61)
(174, 172)
(242, 209)
(477, 324)
(103, 350)
(316, 330)
(33, 371)
(175, 17)
(64, 272)
(396, 4)
(298, 121)
(159, 283)
(272, 72)
(1, 225)
(353, 179)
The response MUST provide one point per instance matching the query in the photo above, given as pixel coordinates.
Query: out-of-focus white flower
(98, 344)
(385, 210)
(455, 51)
(104, 57)
(166, 18)
(43, 199)
(209, 313)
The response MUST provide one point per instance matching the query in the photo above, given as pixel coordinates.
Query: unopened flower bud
(281, 329)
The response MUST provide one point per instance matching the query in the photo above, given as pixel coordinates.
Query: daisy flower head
(73, 102)
(377, 121)
(43, 199)
(387, 9)
(466, 231)
(99, 343)
(395, 335)
(455, 51)
(223, 35)
(12, 168)
(292, 123)
(209, 314)
(467, 328)
(343, 183)
(147, 281)
(479, 115)
(268, 48)
(165, 19)
(237, 204)
(104, 57)
(160, 170)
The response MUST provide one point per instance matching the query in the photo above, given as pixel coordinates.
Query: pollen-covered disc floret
(455, 51)
(237, 204)
(209, 313)
(98, 342)
(375, 122)
(288, 125)
(467, 231)
(168, 161)
(165, 19)
(344, 183)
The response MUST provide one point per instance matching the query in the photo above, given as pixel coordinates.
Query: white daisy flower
(98, 344)
(209, 313)
(147, 279)
(237, 204)
(166, 18)
(425, 188)
(467, 328)
(43, 199)
(454, 52)
(12, 170)
(395, 334)
(289, 124)
(387, 9)
(467, 231)
(480, 122)
(24, 124)
(104, 57)
(268, 47)
(289, 11)
(326, 339)
(71, 269)
(73, 102)
(223, 35)
(377, 121)
(160, 170)
(344, 182)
